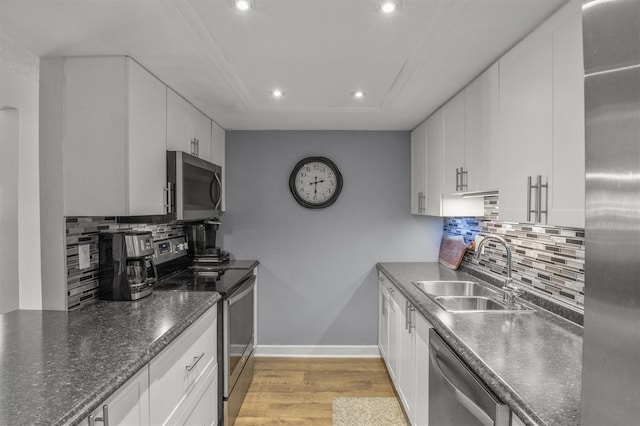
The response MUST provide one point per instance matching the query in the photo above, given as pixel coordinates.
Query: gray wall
(318, 284)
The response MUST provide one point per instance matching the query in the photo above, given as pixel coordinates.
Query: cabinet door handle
(168, 196)
(411, 310)
(542, 186)
(104, 419)
(464, 179)
(529, 188)
(196, 360)
(407, 320)
(197, 147)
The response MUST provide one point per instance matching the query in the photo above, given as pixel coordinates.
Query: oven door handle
(243, 290)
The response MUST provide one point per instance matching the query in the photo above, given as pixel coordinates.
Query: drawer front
(176, 371)
(202, 407)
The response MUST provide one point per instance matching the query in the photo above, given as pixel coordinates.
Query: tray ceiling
(317, 51)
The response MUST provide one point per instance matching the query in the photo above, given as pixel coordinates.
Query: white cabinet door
(147, 133)
(113, 142)
(526, 100)
(453, 119)
(419, 169)
(483, 147)
(383, 323)
(202, 134)
(393, 345)
(203, 410)
(566, 189)
(407, 350)
(188, 130)
(178, 374)
(218, 144)
(421, 412)
(435, 146)
(129, 405)
(179, 123)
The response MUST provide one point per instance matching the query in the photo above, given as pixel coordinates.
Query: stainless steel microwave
(194, 187)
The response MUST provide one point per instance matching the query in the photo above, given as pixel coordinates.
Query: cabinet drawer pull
(196, 360)
(104, 419)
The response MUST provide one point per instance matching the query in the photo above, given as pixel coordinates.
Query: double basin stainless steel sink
(467, 296)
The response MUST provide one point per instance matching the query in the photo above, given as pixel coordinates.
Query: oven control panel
(169, 249)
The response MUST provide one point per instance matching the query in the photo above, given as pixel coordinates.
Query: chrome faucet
(510, 291)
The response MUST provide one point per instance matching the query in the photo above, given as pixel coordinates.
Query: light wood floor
(300, 391)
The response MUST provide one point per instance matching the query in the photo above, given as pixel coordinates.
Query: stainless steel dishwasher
(457, 397)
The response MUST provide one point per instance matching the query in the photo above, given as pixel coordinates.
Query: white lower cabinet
(389, 333)
(421, 411)
(406, 384)
(404, 345)
(383, 322)
(178, 387)
(515, 420)
(179, 372)
(129, 405)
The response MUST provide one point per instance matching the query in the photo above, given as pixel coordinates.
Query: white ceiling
(318, 51)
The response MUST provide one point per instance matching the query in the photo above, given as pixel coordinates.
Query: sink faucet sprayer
(510, 290)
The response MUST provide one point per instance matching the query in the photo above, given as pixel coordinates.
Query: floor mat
(367, 412)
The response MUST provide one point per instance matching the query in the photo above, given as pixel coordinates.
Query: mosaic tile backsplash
(546, 258)
(82, 284)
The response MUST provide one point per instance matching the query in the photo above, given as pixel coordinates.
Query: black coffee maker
(127, 270)
(201, 238)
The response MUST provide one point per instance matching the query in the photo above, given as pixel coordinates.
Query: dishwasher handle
(473, 408)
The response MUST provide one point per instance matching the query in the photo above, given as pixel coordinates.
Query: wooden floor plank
(300, 391)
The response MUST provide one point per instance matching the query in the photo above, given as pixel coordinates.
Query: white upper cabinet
(147, 130)
(179, 132)
(542, 115)
(453, 115)
(567, 185)
(202, 134)
(188, 130)
(518, 128)
(526, 99)
(473, 150)
(427, 194)
(435, 145)
(483, 146)
(419, 169)
(114, 138)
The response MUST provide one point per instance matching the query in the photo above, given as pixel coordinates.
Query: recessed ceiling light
(277, 93)
(358, 94)
(242, 4)
(389, 6)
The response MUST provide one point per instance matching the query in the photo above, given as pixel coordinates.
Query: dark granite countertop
(56, 367)
(242, 264)
(533, 362)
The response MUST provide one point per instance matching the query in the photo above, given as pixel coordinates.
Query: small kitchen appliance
(127, 270)
(202, 244)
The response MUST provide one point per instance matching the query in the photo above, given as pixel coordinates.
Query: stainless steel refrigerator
(611, 360)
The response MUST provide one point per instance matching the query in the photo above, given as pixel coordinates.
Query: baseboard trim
(322, 351)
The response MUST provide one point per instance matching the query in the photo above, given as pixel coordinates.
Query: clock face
(315, 182)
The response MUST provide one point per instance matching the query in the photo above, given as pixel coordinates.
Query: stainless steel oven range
(236, 333)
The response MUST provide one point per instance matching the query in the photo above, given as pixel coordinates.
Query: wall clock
(315, 182)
